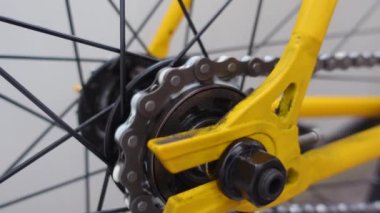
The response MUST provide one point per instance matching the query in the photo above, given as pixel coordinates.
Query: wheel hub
(101, 90)
(200, 107)
(176, 101)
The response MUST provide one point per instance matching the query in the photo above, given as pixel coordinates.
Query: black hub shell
(197, 108)
(100, 91)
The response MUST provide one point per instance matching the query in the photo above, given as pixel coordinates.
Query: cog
(194, 95)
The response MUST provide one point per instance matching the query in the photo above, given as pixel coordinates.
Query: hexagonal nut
(261, 177)
(246, 170)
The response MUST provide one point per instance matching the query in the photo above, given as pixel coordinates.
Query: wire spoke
(56, 34)
(25, 108)
(122, 209)
(196, 37)
(39, 138)
(103, 191)
(87, 179)
(80, 74)
(66, 36)
(361, 21)
(144, 22)
(50, 188)
(187, 30)
(363, 32)
(133, 31)
(50, 58)
(122, 59)
(52, 146)
(280, 42)
(266, 41)
(192, 27)
(278, 27)
(252, 39)
(75, 45)
(254, 28)
(49, 112)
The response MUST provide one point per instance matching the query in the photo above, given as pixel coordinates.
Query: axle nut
(247, 171)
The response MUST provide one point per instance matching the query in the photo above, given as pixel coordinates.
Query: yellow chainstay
(255, 118)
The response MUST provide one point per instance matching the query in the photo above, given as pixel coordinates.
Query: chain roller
(131, 136)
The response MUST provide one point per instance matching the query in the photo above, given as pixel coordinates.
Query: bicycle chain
(339, 207)
(131, 136)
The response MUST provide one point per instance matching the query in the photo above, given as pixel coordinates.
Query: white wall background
(95, 20)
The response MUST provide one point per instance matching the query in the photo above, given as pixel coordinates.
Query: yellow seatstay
(275, 128)
(159, 46)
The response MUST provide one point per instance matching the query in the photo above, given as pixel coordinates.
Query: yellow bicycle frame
(274, 124)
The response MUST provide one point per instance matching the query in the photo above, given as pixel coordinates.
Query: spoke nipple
(175, 81)
(132, 176)
(205, 68)
(150, 106)
(142, 206)
(77, 88)
(132, 141)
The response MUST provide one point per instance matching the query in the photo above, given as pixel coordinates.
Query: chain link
(146, 105)
(317, 208)
(327, 62)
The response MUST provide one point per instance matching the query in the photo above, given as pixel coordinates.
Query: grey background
(95, 20)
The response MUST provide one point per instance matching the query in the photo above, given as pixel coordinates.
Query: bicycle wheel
(101, 111)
